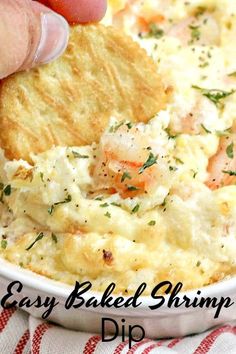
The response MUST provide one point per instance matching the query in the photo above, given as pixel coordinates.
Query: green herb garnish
(203, 65)
(125, 175)
(99, 198)
(195, 33)
(214, 95)
(4, 244)
(155, 31)
(7, 190)
(173, 168)
(38, 238)
(150, 161)
(205, 129)
(68, 199)
(116, 204)
(77, 155)
(231, 173)
(135, 209)
(104, 205)
(230, 151)
(178, 160)
(132, 188)
(152, 223)
(164, 202)
(222, 132)
(115, 127)
(108, 214)
(41, 176)
(170, 135)
(129, 125)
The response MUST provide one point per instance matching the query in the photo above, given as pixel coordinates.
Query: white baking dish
(163, 322)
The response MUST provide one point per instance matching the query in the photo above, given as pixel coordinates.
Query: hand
(31, 33)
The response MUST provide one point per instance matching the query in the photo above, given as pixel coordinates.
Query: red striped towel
(23, 334)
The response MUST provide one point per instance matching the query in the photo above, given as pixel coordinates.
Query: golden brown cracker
(70, 101)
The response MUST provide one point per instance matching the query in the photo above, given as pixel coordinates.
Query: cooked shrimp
(222, 166)
(140, 17)
(137, 19)
(128, 162)
(196, 118)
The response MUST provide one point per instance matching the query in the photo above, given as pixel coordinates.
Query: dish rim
(61, 291)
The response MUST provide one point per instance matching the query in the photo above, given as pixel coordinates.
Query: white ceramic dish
(163, 322)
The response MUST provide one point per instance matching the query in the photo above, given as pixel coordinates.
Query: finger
(29, 34)
(79, 11)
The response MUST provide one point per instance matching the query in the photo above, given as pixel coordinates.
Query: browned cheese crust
(69, 102)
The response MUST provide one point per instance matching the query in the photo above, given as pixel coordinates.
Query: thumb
(30, 34)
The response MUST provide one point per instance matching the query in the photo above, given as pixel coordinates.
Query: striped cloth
(23, 334)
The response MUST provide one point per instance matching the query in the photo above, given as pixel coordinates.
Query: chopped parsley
(41, 176)
(115, 127)
(203, 65)
(222, 132)
(205, 129)
(135, 209)
(116, 204)
(164, 202)
(152, 223)
(155, 31)
(68, 199)
(107, 214)
(173, 168)
(38, 238)
(54, 237)
(195, 33)
(178, 160)
(125, 175)
(129, 125)
(230, 151)
(104, 205)
(150, 161)
(5, 191)
(99, 198)
(132, 188)
(4, 244)
(170, 135)
(77, 155)
(214, 95)
(231, 173)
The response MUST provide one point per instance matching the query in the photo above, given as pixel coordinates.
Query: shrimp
(222, 166)
(127, 162)
(138, 20)
(142, 17)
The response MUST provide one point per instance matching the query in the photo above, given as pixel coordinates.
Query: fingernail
(54, 38)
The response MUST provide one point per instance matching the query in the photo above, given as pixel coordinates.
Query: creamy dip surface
(149, 202)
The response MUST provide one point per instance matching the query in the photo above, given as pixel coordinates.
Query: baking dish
(160, 323)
